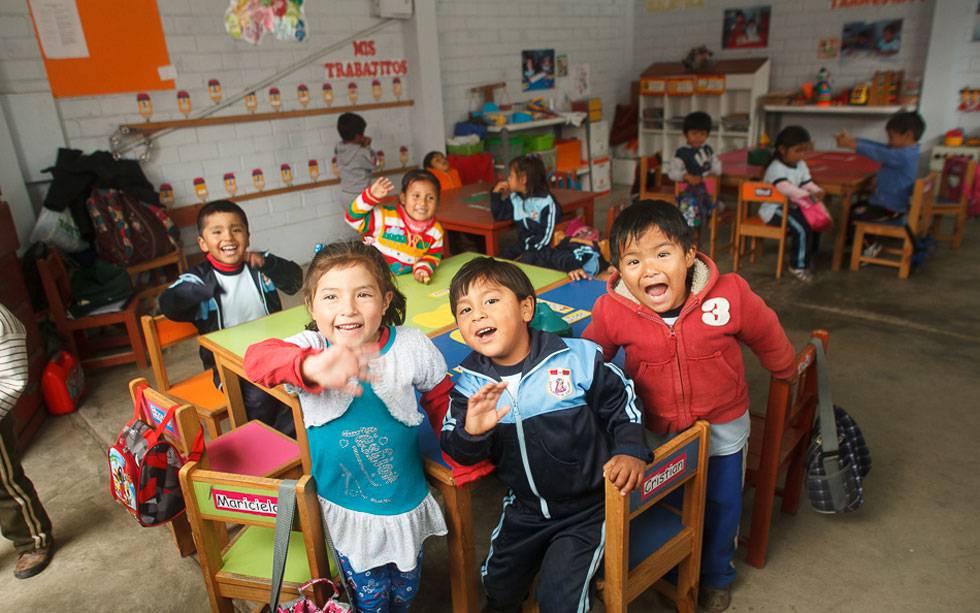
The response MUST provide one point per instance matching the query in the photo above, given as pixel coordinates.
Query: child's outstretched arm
(285, 274)
(275, 361)
(761, 331)
(426, 265)
(183, 300)
(467, 430)
(362, 214)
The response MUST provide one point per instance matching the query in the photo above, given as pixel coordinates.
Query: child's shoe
(804, 275)
(872, 250)
(714, 599)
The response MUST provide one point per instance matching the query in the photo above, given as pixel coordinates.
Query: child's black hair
(637, 218)
(346, 253)
(906, 121)
(417, 174)
(537, 176)
(427, 160)
(219, 206)
(350, 126)
(488, 269)
(698, 120)
(790, 136)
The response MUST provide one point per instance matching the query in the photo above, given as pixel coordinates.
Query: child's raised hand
(502, 187)
(845, 140)
(338, 367)
(380, 188)
(254, 259)
(578, 274)
(422, 276)
(481, 411)
(624, 471)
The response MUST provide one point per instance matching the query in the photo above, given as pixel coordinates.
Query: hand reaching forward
(338, 367)
(624, 471)
(481, 411)
(380, 188)
(422, 276)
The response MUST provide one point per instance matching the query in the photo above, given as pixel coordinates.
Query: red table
(839, 173)
(467, 210)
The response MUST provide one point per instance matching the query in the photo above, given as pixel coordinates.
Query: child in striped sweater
(406, 233)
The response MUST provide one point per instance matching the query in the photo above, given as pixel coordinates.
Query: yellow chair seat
(200, 391)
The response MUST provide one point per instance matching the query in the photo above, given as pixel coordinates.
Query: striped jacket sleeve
(433, 256)
(13, 360)
(363, 214)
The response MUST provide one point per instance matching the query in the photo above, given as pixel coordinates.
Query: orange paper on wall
(126, 48)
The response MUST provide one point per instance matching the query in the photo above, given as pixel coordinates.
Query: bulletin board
(124, 47)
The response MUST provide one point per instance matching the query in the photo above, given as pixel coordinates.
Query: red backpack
(144, 465)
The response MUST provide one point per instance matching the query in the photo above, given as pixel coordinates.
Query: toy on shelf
(953, 138)
(230, 185)
(214, 90)
(823, 92)
(698, 60)
(885, 87)
(859, 95)
(258, 179)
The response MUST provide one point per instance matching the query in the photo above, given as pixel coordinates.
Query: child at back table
(681, 324)
(436, 163)
(233, 286)
(363, 437)
(525, 199)
(692, 164)
(355, 159)
(555, 419)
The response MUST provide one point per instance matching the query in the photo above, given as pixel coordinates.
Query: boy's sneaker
(872, 250)
(804, 275)
(30, 563)
(714, 599)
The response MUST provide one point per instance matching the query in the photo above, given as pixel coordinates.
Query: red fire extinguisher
(62, 384)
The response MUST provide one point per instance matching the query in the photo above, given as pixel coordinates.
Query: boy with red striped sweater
(407, 233)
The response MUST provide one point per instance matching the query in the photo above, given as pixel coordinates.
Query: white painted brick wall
(481, 42)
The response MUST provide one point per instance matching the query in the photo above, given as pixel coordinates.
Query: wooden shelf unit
(150, 127)
(185, 216)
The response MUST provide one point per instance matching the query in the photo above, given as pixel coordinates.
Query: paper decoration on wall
(396, 88)
(379, 159)
(561, 65)
(657, 6)
(352, 92)
(214, 90)
(251, 20)
(286, 173)
(871, 39)
(166, 194)
(258, 179)
(230, 185)
(376, 90)
(579, 82)
(969, 100)
(828, 48)
(327, 94)
(201, 189)
(333, 166)
(537, 69)
(251, 102)
(144, 105)
(746, 28)
(403, 155)
(275, 99)
(314, 168)
(184, 102)
(303, 94)
(369, 67)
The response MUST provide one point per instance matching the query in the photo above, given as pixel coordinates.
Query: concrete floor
(904, 355)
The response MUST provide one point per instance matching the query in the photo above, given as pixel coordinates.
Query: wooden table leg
(589, 212)
(462, 555)
(841, 241)
(493, 243)
(231, 386)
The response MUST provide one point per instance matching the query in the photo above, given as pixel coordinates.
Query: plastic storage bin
(464, 149)
(568, 158)
(539, 143)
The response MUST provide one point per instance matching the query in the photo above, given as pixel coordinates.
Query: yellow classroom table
(427, 310)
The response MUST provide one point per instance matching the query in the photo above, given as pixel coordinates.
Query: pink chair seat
(253, 449)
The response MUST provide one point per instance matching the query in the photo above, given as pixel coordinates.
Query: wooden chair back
(956, 209)
(777, 445)
(241, 568)
(161, 333)
(159, 280)
(748, 224)
(184, 428)
(658, 526)
(921, 205)
(57, 287)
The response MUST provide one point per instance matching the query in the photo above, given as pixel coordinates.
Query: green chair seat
(251, 555)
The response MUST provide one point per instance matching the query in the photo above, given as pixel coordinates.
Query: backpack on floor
(144, 467)
(128, 231)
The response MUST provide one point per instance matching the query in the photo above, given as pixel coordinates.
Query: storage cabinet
(667, 95)
(29, 412)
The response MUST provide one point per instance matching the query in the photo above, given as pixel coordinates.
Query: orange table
(467, 210)
(839, 173)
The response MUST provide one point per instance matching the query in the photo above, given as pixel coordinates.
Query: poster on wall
(976, 24)
(746, 28)
(871, 39)
(561, 65)
(537, 69)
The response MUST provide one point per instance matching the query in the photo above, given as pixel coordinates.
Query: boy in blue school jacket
(233, 286)
(555, 419)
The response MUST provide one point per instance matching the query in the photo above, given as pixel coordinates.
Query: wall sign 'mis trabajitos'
(367, 67)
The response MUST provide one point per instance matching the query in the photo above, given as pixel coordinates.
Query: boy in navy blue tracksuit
(233, 286)
(555, 419)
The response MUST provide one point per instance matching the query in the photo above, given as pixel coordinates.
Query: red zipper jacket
(693, 369)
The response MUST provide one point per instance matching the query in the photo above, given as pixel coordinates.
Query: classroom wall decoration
(537, 69)
(828, 48)
(976, 24)
(746, 28)
(251, 20)
(871, 39)
(850, 4)
(561, 65)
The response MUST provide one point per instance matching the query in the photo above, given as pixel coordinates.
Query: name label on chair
(656, 481)
(241, 502)
(666, 473)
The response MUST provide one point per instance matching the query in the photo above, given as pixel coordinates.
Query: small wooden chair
(955, 209)
(748, 224)
(242, 568)
(198, 390)
(57, 289)
(648, 164)
(917, 221)
(254, 449)
(160, 279)
(778, 444)
(647, 536)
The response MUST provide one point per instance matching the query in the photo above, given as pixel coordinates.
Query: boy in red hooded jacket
(680, 324)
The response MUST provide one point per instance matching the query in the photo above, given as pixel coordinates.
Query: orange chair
(57, 289)
(917, 220)
(748, 224)
(198, 390)
(956, 210)
(778, 444)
